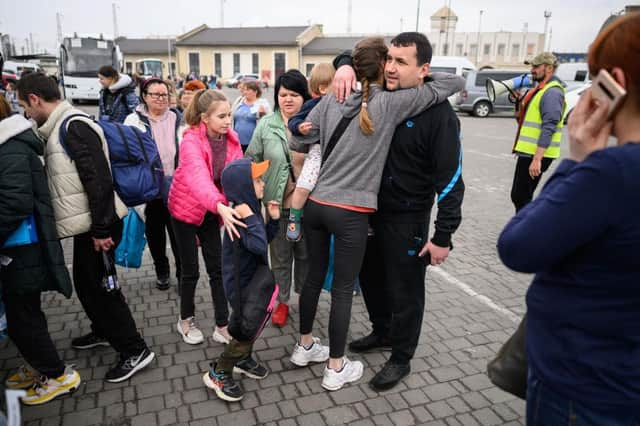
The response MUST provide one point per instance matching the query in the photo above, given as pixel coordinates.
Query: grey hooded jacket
(351, 175)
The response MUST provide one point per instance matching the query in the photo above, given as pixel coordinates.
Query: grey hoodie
(352, 173)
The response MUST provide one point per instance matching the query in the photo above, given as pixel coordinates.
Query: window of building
(486, 50)
(309, 68)
(255, 63)
(172, 69)
(515, 50)
(501, 48)
(280, 63)
(459, 48)
(128, 67)
(531, 47)
(445, 49)
(194, 63)
(236, 63)
(217, 64)
(473, 49)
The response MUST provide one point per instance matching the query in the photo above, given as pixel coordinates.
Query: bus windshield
(83, 57)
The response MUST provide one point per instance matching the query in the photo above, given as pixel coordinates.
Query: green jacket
(269, 142)
(37, 267)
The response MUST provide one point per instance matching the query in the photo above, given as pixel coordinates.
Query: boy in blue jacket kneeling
(245, 264)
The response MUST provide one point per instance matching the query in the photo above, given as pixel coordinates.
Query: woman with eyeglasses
(154, 115)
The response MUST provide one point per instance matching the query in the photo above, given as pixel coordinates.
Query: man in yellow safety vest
(539, 128)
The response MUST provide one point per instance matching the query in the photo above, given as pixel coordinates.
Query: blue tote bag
(129, 251)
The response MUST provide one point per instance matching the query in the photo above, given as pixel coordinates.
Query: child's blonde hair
(201, 104)
(321, 75)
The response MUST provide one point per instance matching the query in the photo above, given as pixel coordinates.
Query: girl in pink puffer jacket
(198, 206)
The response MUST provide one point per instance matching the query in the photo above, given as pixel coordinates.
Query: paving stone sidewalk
(447, 385)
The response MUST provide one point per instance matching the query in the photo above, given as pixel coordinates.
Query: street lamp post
(547, 16)
(478, 38)
(418, 17)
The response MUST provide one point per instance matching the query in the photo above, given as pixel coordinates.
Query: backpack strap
(64, 129)
(335, 136)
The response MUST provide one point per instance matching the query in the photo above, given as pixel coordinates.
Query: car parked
(474, 99)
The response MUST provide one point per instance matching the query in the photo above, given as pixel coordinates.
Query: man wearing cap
(537, 142)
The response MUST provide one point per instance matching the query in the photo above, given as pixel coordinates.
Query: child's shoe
(250, 368)
(221, 335)
(223, 385)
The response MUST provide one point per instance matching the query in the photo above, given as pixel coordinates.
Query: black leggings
(350, 231)
(157, 220)
(209, 235)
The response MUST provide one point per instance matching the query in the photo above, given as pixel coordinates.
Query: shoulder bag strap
(337, 133)
(288, 157)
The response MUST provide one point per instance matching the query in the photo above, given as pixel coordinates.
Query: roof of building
(243, 36)
(444, 12)
(334, 45)
(145, 45)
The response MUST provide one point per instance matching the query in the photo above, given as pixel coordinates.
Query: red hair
(618, 45)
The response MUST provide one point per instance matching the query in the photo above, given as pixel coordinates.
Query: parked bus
(80, 60)
(149, 67)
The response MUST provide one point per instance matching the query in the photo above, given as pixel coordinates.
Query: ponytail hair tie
(364, 104)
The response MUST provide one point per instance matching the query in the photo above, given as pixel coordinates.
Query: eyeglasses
(158, 95)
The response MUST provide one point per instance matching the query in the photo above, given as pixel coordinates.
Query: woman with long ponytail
(346, 193)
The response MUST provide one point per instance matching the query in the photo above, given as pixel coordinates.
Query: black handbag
(509, 369)
(254, 304)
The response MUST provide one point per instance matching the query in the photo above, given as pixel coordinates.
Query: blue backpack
(129, 251)
(135, 162)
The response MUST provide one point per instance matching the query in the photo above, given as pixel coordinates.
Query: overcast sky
(574, 23)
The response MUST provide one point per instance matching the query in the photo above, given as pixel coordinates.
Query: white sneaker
(192, 335)
(351, 371)
(221, 335)
(316, 353)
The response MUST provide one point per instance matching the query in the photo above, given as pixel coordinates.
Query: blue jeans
(547, 408)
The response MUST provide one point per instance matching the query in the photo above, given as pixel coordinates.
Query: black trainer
(88, 341)
(163, 283)
(250, 368)
(369, 343)
(223, 385)
(128, 366)
(389, 376)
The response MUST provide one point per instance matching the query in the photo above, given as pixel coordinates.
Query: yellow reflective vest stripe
(531, 129)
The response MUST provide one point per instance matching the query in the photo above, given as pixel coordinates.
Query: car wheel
(481, 109)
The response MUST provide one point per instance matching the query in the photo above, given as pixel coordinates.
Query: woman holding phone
(581, 237)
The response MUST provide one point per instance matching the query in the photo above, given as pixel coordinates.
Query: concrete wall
(313, 60)
(506, 49)
(265, 57)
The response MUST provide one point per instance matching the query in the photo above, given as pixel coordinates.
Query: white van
(457, 65)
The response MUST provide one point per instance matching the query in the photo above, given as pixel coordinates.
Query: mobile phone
(426, 259)
(605, 89)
